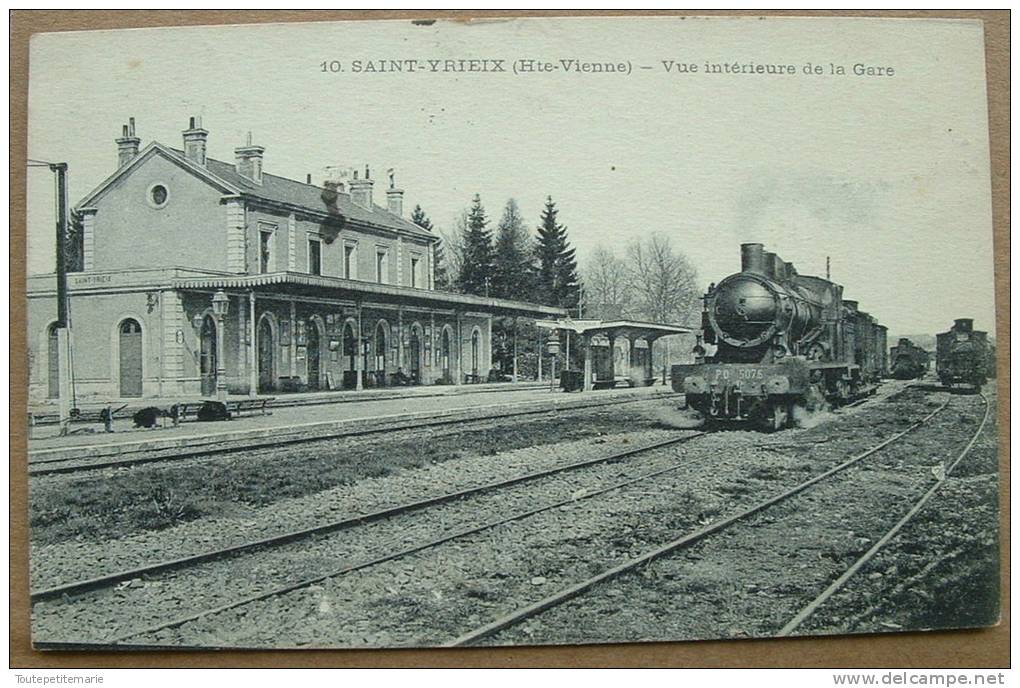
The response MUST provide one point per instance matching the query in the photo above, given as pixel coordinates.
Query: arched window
(415, 352)
(130, 358)
(53, 362)
(207, 355)
(380, 347)
(445, 352)
(475, 351)
(350, 347)
(130, 326)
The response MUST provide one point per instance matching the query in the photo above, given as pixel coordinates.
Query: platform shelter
(590, 332)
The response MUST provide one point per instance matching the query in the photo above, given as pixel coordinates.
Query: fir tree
(476, 272)
(557, 283)
(74, 247)
(512, 269)
(419, 218)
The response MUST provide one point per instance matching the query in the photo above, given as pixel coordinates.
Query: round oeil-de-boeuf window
(158, 195)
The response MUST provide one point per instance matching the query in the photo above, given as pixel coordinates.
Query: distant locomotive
(782, 340)
(963, 355)
(906, 361)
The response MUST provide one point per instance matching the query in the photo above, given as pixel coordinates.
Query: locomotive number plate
(727, 374)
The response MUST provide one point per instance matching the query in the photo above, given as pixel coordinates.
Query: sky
(888, 176)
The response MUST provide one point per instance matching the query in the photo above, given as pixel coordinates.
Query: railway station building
(297, 286)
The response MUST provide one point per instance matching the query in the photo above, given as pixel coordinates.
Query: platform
(311, 419)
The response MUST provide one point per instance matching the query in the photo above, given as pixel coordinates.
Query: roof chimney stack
(127, 144)
(394, 197)
(361, 189)
(248, 160)
(194, 141)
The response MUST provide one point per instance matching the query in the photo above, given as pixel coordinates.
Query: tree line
(649, 280)
(510, 262)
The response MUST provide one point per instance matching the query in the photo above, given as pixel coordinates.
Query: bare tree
(663, 281)
(607, 288)
(453, 248)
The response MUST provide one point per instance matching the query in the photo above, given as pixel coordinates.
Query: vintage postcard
(515, 331)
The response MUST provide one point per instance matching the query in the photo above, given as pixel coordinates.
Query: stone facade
(323, 292)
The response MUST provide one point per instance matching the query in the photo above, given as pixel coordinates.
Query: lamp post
(66, 402)
(365, 350)
(220, 304)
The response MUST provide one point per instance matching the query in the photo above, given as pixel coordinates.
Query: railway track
(112, 579)
(375, 561)
(563, 595)
(125, 639)
(814, 605)
(60, 466)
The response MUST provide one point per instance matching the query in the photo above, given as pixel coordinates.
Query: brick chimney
(248, 160)
(361, 189)
(394, 197)
(194, 141)
(127, 144)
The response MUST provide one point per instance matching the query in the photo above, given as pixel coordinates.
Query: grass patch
(103, 505)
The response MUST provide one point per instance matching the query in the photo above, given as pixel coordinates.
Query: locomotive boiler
(963, 355)
(908, 361)
(781, 340)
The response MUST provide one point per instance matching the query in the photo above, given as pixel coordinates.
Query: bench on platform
(252, 406)
(78, 417)
(187, 410)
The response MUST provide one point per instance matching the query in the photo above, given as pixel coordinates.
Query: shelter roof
(635, 329)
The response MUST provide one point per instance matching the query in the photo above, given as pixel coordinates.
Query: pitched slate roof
(283, 190)
(273, 188)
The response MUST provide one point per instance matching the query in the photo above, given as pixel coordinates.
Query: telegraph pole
(59, 170)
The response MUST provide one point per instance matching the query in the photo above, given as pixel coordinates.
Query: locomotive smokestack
(752, 258)
(964, 324)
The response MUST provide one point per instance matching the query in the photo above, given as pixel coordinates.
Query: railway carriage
(781, 340)
(908, 361)
(963, 355)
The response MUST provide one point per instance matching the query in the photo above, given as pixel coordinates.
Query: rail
(558, 598)
(108, 580)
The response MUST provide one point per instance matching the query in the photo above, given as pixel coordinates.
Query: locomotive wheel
(814, 398)
(776, 417)
(842, 392)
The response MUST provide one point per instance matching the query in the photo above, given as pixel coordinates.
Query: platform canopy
(631, 329)
(319, 286)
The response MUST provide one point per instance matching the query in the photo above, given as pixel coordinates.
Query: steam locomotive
(907, 360)
(782, 340)
(963, 355)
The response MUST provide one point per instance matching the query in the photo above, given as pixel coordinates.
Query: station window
(158, 196)
(381, 266)
(265, 250)
(415, 267)
(350, 261)
(314, 257)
